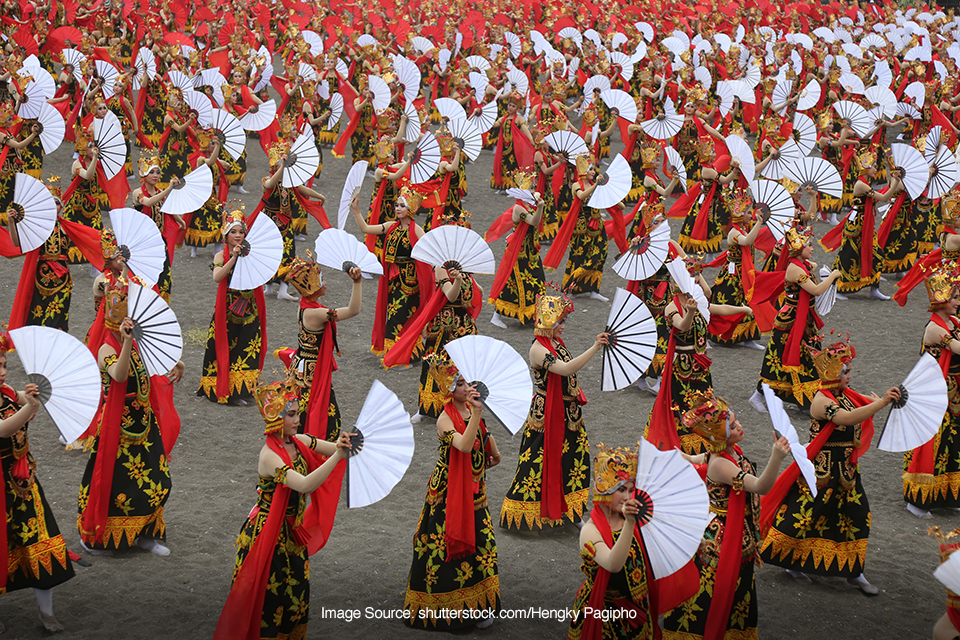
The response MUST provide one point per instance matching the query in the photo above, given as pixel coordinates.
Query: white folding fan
(916, 417)
(426, 159)
(108, 138)
(686, 284)
(229, 131)
(155, 328)
(645, 259)
(34, 211)
(190, 194)
(338, 249)
(351, 187)
(452, 246)
(301, 162)
(613, 185)
(783, 427)
(632, 342)
(259, 116)
(140, 243)
(260, 257)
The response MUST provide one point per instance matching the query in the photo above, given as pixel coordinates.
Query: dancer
(519, 278)
(827, 535)
(455, 582)
(550, 486)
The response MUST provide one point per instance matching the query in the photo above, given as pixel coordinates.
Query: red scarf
(923, 460)
(460, 533)
(553, 502)
(522, 149)
(509, 260)
(375, 211)
(770, 503)
(728, 567)
(883, 233)
(243, 611)
(318, 406)
(918, 272)
(222, 340)
(791, 357)
(565, 232)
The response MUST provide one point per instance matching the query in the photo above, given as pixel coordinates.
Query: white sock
(154, 547)
(597, 296)
(496, 320)
(756, 401)
(917, 511)
(193, 252)
(45, 600)
(876, 293)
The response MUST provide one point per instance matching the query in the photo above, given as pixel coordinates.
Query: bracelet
(313, 442)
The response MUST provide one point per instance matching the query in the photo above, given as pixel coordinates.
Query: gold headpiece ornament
(277, 150)
(950, 208)
(549, 310)
(384, 149)
(612, 468)
(940, 285)
(524, 179)
(204, 137)
(949, 542)
(304, 275)
(7, 114)
(149, 158)
(444, 372)
(866, 159)
(83, 137)
(227, 90)
(445, 140)
(584, 162)
(231, 219)
(709, 418)
(789, 185)
(696, 94)
(590, 116)
(706, 149)
(797, 238)
(108, 244)
(53, 185)
(412, 198)
(649, 153)
(831, 360)
(825, 120)
(115, 305)
(740, 205)
(272, 400)
(694, 264)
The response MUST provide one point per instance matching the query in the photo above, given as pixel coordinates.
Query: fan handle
(46, 388)
(244, 249)
(646, 506)
(18, 212)
(453, 264)
(602, 179)
(125, 252)
(253, 109)
(482, 389)
(290, 160)
(902, 402)
(348, 264)
(180, 184)
(356, 442)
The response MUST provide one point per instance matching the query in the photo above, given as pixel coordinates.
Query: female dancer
(85, 198)
(459, 574)
(727, 598)
(400, 294)
(204, 227)
(282, 531)
(827, 535)
(787, 366)
(514, 145)
(32, 549)
(147, 199)
(931, 473)
(519, 279)
(948, 626)
(703, 207)
(312, 365)
(236, 340)
(175, 145)
(550, 486)
(127, 479)
(612, 555)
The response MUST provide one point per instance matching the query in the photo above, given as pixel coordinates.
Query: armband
(831, 410)
(589, 549)
(945, 341)
(738, 481)
(548, 360)
(280, 475)
(803, 277)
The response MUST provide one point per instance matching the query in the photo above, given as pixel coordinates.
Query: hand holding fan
(381, 448)
(613, 185)
(620, 103)
(740, 151)
(663, 126)
(675, 508)
(804, 133)
(140, 242)
(336, 111)
(632, 342)
(686, 284)
(484, 118)
(455, 247)
(910, 168)
(466, 136)
(190, 193)
(567, 143)
(260, 255)
(155, 329)
(645, 258)
(916, 417)
(339, 250)
(773, 200)
(786, 155)
(783, 427)
(66, 372)
(676, 163)
(817, 173)
(500, 374)
(825, 301)
(945, 175)
(108, 139)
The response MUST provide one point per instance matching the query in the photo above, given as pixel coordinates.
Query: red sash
(791, 357)
(663, 425)
(391, 271)
(222, 340)
(460, 532)
(375, 212)
(318, 406)
(883, 233)
(4, 548)
(509, 260)
(553, 502)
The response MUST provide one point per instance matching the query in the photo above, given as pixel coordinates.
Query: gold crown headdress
(584, 162)
(797, 238)
(694, 264)
(412, 198)
(825, 120)
(524, 179)
(696, 94)
(277, 150)
(444, 372)
(709, 418)
(445, 139)
(149, 158)
(108, 244)
(384, 149)
(549, 310)
(272, 400)
(950, 208)
(7, 114)
(204, 137)
(590, 116)
(612, 468)
(115, 305)
(706, 149)
(789, 185)
(831, 360)
(866, 159)
(940, 285)
(949, 542)
(227, 90)
(304, 275)
(53, 185)
(649, 152)
(231, 219)
(740, 205)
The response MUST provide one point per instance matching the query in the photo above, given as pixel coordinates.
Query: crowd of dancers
(729, 118)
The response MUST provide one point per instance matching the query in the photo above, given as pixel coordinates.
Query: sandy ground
(365, 563)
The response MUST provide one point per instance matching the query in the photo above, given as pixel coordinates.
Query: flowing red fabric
(402, 349)
(770, 503)
(883, 233)
(923, 459)
(728, 566)
(94, 515)
(21, 301)
(867, 236)
(440, 200)
(616, 228)
(4, 548)
(954, 616)
(553, 502)
(832, 239)
(460, 533)
(663, 425)
(502, 223)
(509, 260)
(699, 231)
(564, 233)
(523, 150)
(682, 205)
(390, 271)
(318, 406)
(221, 340)
(243, 611)
(375, 211)
(340, 148)
(168, 420)
(918, 272)
(791, 357)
